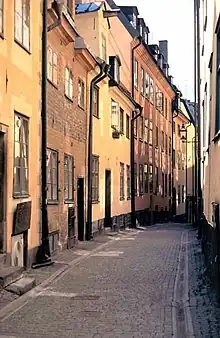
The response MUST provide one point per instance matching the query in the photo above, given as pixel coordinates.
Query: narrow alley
(142, 283)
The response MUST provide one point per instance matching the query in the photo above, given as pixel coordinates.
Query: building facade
(69, 67)
(20, 106)
(209, 89)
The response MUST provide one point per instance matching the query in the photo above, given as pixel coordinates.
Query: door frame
(4, 131)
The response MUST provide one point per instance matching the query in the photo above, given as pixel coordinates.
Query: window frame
(115, 105)
(122, 182)
(150, 177)
(143, 87)
(21, 15)
(95, 174)
(104, 47)
(69, 199)
(157, 137)
(136, 68)
(81, 93)
(128, 168)
(128, 126)
(53, 65)
(121, 118)
(141, 128)
(22, 193)
(146, 181)
(68, 83)
(141, 179)
(53, 185)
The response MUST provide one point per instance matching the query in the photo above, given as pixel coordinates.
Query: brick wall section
(67, 130)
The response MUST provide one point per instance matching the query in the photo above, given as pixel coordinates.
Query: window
(114, 114)
(165, 109)
(115, 64)
(104, 48)
(146, 38)
(146, 178)
(128, 182)
(81, 94)
(166, 144)
(135, 178)
(146, 130)
(21, 149)
(157, 137)
(1, 16)
(95, 179)
(127, 126)
(51, 65)
(151, 178)
(151, 133)
(151, 91)
(122, 180)
(141, 179)
(157, 179)
(147, 85)
(135, 127)
(163, 140)
(143, 88)
(170, 145)
(136, 74)
(183, 194)
(121, 121)
(159, 100)
(96, 102)
(141, 128)
(134, 21)
(179, 195)
(68, 178)
(22, 22)
(68, 83)
(52, 175)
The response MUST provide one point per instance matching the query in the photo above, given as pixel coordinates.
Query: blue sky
(172, 20)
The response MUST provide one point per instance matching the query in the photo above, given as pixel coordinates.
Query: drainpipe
(104, 69)
(43, 252)
(132, 141)
(172, 160)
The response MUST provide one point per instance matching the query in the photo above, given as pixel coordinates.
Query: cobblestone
(126, 293)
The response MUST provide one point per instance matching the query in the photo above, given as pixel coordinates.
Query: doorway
(108, 218)
(80, 207)
(2, 190)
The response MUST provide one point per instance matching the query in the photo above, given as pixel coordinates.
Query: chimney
(163, 46)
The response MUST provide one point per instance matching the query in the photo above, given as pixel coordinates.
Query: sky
(172, 20)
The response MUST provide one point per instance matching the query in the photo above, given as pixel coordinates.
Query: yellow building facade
(20, 97)
(111, 125)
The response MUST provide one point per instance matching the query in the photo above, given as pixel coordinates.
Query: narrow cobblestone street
(143, 283)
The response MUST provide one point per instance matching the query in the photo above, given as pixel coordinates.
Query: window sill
(16, 197)
(68, 201)
(141, 140)
(95, 202)
(68, 98)
(122, 198)
(80, 107)
(22, 46)
(52, 83)
(141, 194)
(96, 116)
(128, 198)
(52, 202)
(216, 137)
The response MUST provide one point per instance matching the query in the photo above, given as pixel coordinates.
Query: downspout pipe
(43, 253)
(104, 70)
(132, 141)
(172, 157)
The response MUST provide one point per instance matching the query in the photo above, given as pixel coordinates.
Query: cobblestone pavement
(133, 286)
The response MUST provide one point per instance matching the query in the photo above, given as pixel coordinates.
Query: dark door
(2, 166)
(80, 207)
(108, 219)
